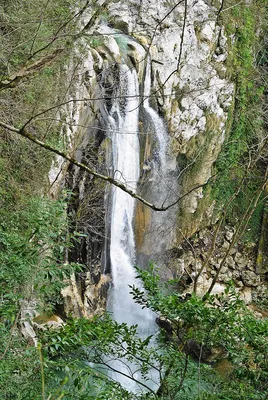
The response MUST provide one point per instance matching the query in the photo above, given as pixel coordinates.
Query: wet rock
(164, 323)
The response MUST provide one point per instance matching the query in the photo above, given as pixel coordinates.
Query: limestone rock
(30, 321)
(249, 278)
(233, 251)
(225, 245)
(229, 233)
(241, 261)
(236, 275)
(246, 295)
(73, 304)
(28, 332)
(204, 284)
(230, 262)
(93, 299)
(225, 275)
(95, 295)
(260, 292)
(28, 312)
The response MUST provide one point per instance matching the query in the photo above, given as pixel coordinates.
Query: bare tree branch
(25, 70)
(29, 70)
(56, 36)
(109, 179)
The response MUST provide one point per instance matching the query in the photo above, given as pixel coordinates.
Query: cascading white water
(123, 126)
(123, 121)
(159, 127)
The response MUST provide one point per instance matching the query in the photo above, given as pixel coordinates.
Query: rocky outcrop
(86, 302)
(239, 266)
(31, 321)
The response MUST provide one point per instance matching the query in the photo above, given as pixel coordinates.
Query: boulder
(44, 321)
(246, 295)
(229, 233)
(241, 261)
(249, 278)
(230, 262)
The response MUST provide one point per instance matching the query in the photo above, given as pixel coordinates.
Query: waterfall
(158, 124)
(123, 127)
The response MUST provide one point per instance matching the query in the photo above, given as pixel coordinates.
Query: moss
(212, 122)
(44, 318)
(95, 41)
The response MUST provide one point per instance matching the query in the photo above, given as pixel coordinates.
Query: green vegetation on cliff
(241, 164)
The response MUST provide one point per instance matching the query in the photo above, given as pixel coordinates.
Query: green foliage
(246, 119)
(219, 321)
(26, 28)
(33, 237)
(32, 243)
(78, 356)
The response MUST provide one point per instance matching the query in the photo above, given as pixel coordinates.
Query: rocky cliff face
(239, 267)
(191, 90)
